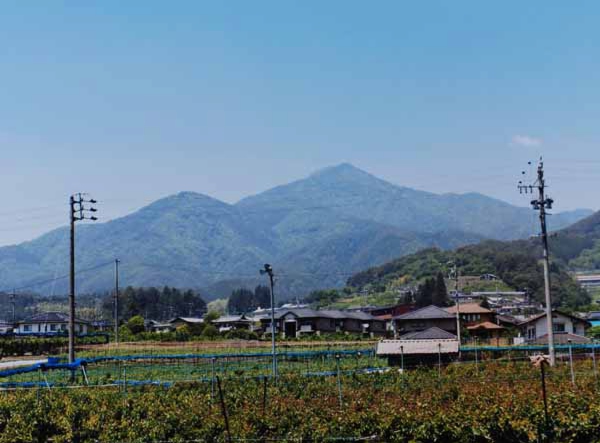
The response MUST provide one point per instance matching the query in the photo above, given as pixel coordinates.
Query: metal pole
(571, 363)
(439, 359)
(457, 306)
(72, 283)
(273, 347)
(543, 375)
(402, 358)
(116, 314)
(594, 361)
(339, 380)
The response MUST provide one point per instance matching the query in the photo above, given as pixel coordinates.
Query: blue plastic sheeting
(43, 367)
(52, 334)
(525, 348)
(25, 384)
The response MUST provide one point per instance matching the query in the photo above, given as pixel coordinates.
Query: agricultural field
(459, 403)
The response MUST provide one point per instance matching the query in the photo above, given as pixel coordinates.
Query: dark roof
(361, 316)
(428, 312)
(433, 333)
(554, 311)
(50, 317)
(326, 313)
(503, 318)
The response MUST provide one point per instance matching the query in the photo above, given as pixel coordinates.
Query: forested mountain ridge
(315, 231)
(517, 263)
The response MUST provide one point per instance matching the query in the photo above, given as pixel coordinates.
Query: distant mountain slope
(516, 262)
(315, 231)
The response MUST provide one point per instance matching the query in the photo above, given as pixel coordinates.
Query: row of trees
(432, 291)
(244, 300)
(157, 304)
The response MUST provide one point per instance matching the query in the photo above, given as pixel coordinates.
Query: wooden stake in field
(540, 361)
(224, 410)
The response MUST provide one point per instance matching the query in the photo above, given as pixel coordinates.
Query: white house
(50, 322)
(565, 327)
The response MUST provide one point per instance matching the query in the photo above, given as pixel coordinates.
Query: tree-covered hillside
(516, 263)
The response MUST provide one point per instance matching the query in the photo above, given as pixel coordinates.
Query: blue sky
(135, 100)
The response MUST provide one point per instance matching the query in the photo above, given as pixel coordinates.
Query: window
(27, 328)
(53, 327)
(558, 327)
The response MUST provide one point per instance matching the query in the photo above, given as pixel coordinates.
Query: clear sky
(136, 100)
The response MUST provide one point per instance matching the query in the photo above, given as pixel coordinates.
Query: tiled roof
(433, 333)
(428, 312)
(485, 325)
(187, 320)
(231, 319)
(468, 308)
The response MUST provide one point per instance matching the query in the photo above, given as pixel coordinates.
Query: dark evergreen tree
(425, 293)
(440, 293)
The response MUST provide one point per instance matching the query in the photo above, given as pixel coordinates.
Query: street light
(268, 270)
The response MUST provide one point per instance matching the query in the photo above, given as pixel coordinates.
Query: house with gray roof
(50, 323)
(296, 322)
(424, 318)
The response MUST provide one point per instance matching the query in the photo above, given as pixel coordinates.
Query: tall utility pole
(541, 204)
(454, 276)
(116, 300)
(13, 304)
(269, 271)
(77, 212)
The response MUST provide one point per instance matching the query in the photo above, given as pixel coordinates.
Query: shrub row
(497, 404)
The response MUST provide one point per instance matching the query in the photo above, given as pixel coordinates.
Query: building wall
(447, 324)
(541, 329)
(25, 328)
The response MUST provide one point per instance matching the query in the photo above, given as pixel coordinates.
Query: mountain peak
(345, 169)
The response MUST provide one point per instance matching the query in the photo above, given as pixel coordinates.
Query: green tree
(440, 293)
(135, 324)
(425, 293)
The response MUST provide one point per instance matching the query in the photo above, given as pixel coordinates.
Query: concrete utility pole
(116, 314)
(78, 212)
(13, 304)
(269, 271)
(541, 204)
(454, 276)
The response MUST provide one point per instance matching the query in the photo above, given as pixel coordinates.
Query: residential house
(425, 347)
(564, 325)
(480, 322)
(49, 323)
(227, 323)
(160, 327)
(178, 322)
(295, 322)
(424, 318)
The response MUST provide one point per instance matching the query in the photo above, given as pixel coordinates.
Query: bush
(136, 324)
(241, 334)
(210, 331)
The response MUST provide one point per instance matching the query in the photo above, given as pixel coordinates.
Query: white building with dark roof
(50, 322)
